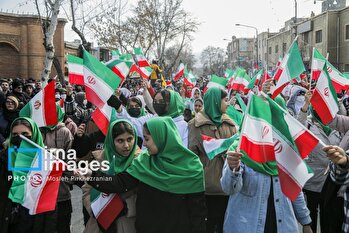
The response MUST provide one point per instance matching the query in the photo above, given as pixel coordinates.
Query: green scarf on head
(176, 106)
(327, 130)
(36, 135)
(175, 168)
(212, 105)
(268, 168)
(118, 163)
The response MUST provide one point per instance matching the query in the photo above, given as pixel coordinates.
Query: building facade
(22, 52)
(241, 52)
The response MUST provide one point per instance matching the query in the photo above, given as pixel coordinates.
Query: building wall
(21, 46)
(343, 43)
(283, 40)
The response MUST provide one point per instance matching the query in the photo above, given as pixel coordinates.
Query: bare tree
(213, 60)
(186, 57)
(49, 25)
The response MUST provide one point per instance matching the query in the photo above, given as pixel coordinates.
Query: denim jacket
(247, 207)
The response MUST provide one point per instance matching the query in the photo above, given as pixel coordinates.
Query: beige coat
(124, 224)
(202, 125)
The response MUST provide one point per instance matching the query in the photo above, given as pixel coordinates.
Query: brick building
(22, 52)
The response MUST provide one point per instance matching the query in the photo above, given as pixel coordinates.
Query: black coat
(5, 185)
(158, 211)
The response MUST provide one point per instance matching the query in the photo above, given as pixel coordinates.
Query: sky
(217, 17)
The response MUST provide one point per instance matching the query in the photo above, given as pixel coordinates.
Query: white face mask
(84, 102)
(58, 96)
(63, 96)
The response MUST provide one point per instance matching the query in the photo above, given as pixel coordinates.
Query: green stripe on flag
(294, 64)
(219, 80)
(74, 59)
(101, 71)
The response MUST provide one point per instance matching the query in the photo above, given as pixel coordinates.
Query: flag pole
(244, 121)
(303, 127)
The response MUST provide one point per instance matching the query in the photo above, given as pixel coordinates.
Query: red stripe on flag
(49, 102)
(118, 73)
(48, 197)
(279, 90)
(289, 186)
(110, 212)
(321, 107)
(339, 87)
(93, 98)
(206, 138)
(76, 79)
(305, 143)
(258, 152)
(143, 63)
(178, 75)
(315, 74)
(100, 120)
(278, 74)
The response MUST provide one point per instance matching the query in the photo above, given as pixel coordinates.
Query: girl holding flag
(120, 148)
(170, 182)
(14, 217)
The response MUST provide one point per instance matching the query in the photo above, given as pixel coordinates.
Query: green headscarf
(176, 106)
(174, 169)
(268, 168)
(212, 105)
(118, 163)
(36, 135)
(317, 119)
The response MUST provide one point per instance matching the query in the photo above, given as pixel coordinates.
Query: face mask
(58, 96)
(134, 112)
(63, 96)
(16, 140)
(160, 108)
(84, 102)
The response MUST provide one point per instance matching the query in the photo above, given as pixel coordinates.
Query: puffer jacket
(59, 137)
(202, 125)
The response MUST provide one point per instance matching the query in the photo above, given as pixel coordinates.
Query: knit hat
(14, 99)
(16, 83)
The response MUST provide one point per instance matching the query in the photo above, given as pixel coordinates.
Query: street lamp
(248, 26)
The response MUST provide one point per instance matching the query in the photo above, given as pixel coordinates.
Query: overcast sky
(218, 17)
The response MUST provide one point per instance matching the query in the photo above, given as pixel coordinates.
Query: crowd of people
(160, 168)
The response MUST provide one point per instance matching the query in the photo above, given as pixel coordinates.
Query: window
(346, 68)
(276, 48)
(269, 50)
(347, 32)
(306, 37)
(318, 36)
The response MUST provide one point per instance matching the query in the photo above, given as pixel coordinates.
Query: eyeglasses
(9, 102)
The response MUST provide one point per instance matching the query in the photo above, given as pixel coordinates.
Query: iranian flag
(278, 62)
(256, 131)
(255, 80)
(76, 70)
(103, 116)
(120, 67)
(100, 81)
(143, 72)
(291, 67)
(105, 207)
(216, 81)
(339, 81)
(34, 186)
(179, 73)
(215, 146)
(140, 58)
(228, 73)
(241, 81)
(41, 108)
(264, 78)
(189, 78)
(324, 100)
(317, 64)
(293, 171)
